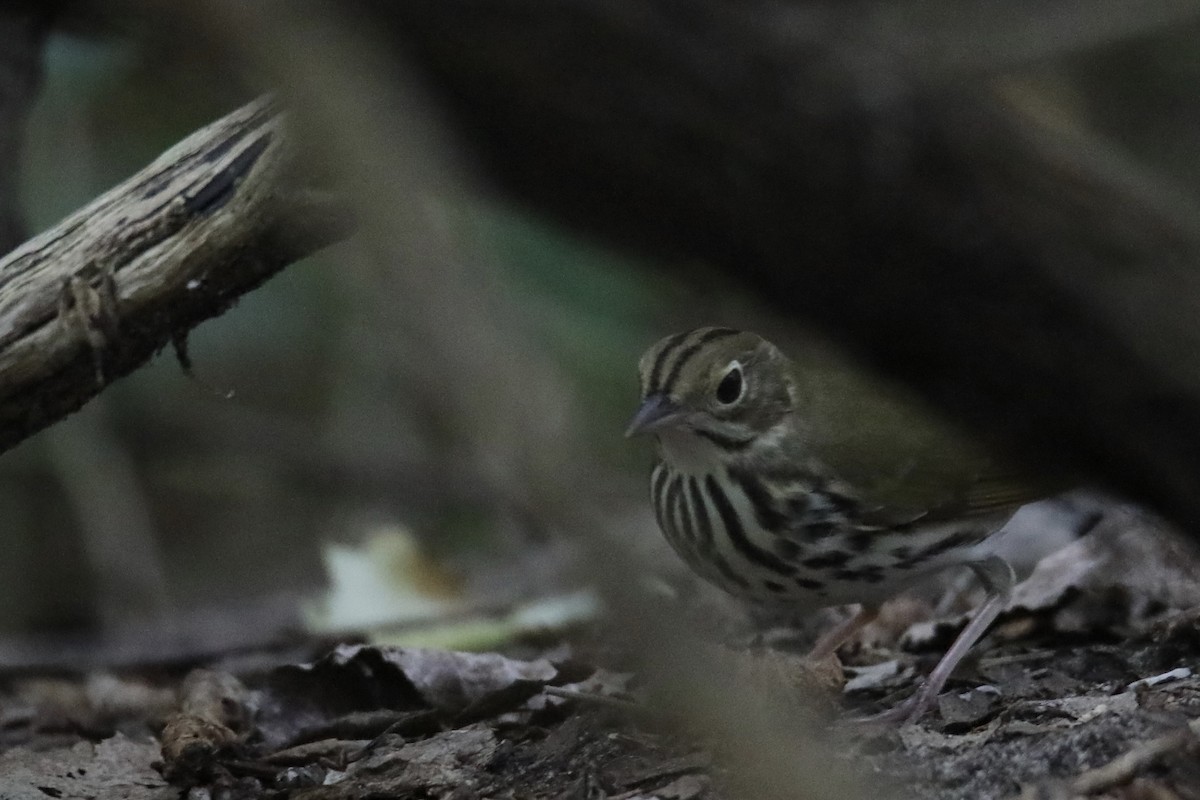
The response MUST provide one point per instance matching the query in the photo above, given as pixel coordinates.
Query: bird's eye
(730, 389)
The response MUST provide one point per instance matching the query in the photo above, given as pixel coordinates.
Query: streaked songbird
(812, 489)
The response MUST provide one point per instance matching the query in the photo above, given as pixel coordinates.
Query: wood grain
(209, 220)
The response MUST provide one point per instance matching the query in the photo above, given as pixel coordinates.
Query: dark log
(1014, 270)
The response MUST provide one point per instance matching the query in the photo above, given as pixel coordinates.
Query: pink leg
(837, 636)
(997, 577)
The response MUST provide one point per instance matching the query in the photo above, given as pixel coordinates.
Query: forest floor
(1077, 720)
(1086, 688)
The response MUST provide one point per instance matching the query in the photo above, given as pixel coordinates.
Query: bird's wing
(903, 460)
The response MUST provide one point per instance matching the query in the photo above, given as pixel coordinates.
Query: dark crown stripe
(688, 353)
(724, 442)
(769, 517)
(737, 534)
(661, 359)
(704, 531)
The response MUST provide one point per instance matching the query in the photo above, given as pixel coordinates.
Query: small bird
(812, 488)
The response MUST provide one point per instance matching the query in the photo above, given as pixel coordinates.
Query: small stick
(590, 697)
(1122, 769)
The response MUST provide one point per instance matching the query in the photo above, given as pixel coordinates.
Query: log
(97, 295)
(1018, 271)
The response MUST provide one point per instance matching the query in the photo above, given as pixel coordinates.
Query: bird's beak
(657, 411)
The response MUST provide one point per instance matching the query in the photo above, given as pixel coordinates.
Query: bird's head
(720, 384)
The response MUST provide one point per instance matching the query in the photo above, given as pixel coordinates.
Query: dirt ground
(1089, 686)
(1085, 718)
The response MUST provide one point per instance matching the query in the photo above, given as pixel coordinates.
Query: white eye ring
(732, 387)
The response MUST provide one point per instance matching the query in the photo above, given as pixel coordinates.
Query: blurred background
(316, 415)
(323, 416)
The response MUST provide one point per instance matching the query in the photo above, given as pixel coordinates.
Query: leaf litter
(1087, 687)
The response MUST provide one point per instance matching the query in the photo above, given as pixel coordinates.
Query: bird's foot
(903, 713)
(997, 576)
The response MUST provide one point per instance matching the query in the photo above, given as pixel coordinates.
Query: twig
(1125, 767)
(1016, 658)
(591, 697)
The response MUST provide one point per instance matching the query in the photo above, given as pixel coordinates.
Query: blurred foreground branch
(94, 297)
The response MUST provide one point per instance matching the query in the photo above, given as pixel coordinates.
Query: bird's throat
(691, 453)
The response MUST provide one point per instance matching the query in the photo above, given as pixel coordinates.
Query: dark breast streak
(703, 525)
(737, 532)
(783, 540)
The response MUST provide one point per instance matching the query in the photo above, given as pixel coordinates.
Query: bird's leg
(841, 633)
(997, 577)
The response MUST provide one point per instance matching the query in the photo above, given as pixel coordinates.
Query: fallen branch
(94, 297)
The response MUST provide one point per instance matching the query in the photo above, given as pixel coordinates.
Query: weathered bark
(94, 297)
